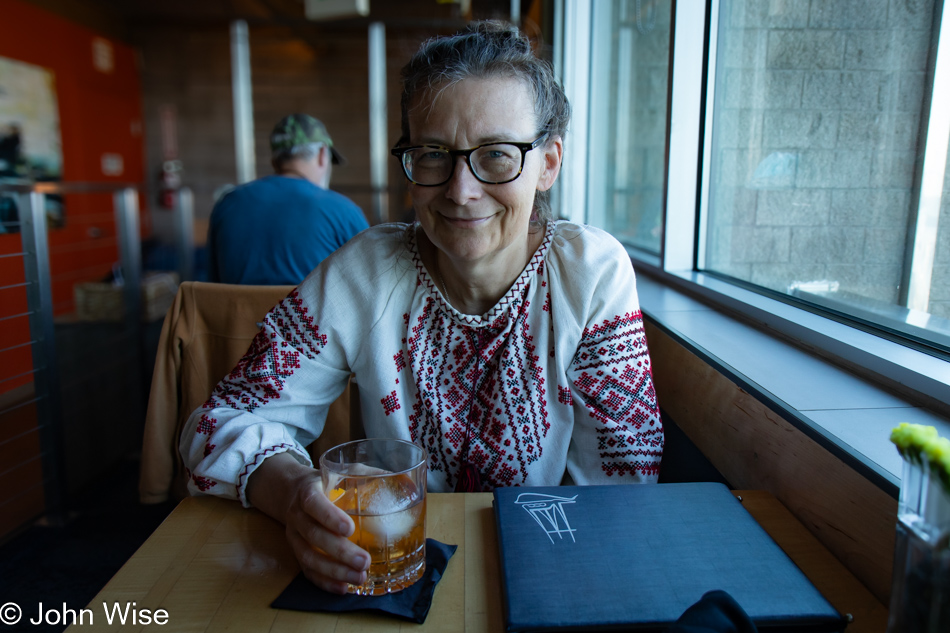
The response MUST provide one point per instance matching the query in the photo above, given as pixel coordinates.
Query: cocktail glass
(381, 484)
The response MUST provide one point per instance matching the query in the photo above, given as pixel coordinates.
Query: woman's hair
(488, 49)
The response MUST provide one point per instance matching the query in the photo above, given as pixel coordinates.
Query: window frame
(911, 372)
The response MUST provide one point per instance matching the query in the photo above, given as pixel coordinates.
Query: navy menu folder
(635, 557)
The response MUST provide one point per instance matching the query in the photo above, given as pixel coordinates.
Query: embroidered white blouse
(554, 381)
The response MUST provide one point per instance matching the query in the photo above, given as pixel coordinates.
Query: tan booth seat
(206, 332)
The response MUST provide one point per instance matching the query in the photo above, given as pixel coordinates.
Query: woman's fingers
(315, 504)
(326, 527)
(321, 569)
(337, 547)
(317, 531)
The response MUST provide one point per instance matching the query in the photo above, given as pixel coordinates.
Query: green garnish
(919, 444)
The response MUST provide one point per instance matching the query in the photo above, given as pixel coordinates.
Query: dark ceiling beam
(92, 15)
(330, 25)
(403, 16)
(299, 32)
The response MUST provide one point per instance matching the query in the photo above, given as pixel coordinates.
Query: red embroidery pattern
(483, 373)
(615, 382)
(489, 376)
(391, 403)
(203, 483)
(295, 327)
(535, 268)
(273, 356)
(206, 424)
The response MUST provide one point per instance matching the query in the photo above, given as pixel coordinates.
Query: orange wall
(98, 113)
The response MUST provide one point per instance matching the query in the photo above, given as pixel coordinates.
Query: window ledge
(792, 360)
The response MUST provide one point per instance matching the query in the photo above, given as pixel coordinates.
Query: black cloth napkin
(410, 604)
(715, 612)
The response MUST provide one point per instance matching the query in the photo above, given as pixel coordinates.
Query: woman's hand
(317, 530)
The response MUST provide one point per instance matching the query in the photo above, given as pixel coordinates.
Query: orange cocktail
(381, 484)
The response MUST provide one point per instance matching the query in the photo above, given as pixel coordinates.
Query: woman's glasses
(491, 163)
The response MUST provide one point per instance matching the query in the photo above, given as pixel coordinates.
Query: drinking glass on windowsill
(920, 593)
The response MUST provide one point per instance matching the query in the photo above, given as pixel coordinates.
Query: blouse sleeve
(275, 400)
(617, 435)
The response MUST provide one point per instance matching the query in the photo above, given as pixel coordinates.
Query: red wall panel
(99, 113)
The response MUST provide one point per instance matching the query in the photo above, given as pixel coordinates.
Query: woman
(509, 345)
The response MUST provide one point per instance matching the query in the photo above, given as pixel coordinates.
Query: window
(825, 122)
(628, 120)
(824, 149)
(806, 187)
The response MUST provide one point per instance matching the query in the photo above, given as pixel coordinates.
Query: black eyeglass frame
(398, 152)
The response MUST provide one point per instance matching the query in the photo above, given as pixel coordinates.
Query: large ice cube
(385, 508)
(350, 470)
(386, 496)
(361, 470)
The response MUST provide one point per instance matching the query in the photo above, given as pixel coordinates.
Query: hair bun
(504, 35)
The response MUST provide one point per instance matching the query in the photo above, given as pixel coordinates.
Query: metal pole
(243, 103)
(185, 229)
(126, 202)
(516, 12)
(378, 131)
(32, 212)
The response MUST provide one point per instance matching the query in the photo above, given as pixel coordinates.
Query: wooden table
(213, 565)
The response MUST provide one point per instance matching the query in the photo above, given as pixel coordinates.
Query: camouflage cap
(295, 130)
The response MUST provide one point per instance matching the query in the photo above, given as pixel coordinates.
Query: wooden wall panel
(325, 76)
(755, 448)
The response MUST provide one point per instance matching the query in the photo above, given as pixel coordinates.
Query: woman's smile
(465, 222)
(476, 226)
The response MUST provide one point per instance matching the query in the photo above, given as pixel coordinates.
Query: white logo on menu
(548, 512)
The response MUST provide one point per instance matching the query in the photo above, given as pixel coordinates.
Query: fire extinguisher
(169, 181)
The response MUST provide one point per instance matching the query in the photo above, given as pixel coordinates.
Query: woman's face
(468, 220)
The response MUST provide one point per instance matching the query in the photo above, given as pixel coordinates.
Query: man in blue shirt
(276, 229)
